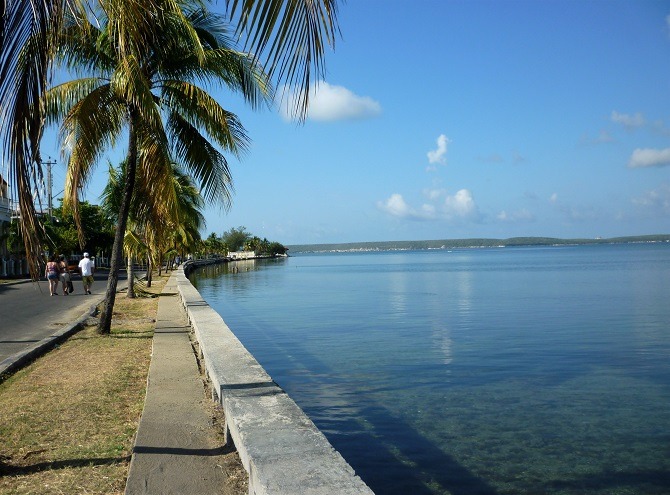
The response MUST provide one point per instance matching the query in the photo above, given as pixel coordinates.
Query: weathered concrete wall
(280, 447)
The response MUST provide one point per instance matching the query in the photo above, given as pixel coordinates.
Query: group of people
(57, 270)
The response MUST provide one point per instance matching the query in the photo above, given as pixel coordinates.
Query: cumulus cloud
(396, 206)
(461, 205)
(329, 103)
(441, 206)
(440, 154)
(649, 157)
(627, 120)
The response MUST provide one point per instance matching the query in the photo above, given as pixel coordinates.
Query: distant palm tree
(152, 96)
(152, 229)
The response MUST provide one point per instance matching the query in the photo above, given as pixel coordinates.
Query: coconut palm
(152, 95)
(26, 44)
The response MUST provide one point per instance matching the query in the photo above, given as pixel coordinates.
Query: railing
(14, 267)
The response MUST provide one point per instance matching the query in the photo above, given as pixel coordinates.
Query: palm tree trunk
(105, 324)
(149, 271)
(131, 278)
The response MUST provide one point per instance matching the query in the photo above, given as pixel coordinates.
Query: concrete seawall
(280, 447)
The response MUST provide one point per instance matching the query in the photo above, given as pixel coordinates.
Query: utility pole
(49, 163)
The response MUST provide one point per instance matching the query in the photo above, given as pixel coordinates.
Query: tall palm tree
(154, 96)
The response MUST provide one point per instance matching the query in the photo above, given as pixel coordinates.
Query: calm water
(483, 371)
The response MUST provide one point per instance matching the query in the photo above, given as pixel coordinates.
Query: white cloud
(439, 155)
(649, 157)
(434, 194)
(461, 205)
(329, 103)
(628, 121)
(553, 198)
(440, 206)
(396, 206)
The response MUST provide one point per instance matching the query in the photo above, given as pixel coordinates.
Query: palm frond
(201, 110)
(290, 37)
(208, 167)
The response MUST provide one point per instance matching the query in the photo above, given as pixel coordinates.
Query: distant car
(73, 266)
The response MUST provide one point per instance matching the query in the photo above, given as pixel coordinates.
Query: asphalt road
(29, 314)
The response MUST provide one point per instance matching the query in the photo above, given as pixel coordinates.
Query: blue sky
(457, 119)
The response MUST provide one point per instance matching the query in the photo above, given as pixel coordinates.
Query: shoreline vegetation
(470, 243)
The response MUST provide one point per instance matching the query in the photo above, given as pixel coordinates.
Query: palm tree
(152, 95)
(152, 229)
(30, 33)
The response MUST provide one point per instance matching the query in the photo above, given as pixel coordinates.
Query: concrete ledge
(280, 447)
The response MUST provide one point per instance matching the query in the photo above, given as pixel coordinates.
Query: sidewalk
(178, 448)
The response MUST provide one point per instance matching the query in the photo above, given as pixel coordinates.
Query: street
(29, 314)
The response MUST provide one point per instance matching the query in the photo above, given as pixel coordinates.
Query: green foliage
(238, 239)
(235, 238)
(62, 231)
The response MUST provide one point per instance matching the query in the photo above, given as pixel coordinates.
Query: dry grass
(68, 419)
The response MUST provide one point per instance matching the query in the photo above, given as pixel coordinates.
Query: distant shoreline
(469, 243)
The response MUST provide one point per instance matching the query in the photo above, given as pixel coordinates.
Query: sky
(443, 119)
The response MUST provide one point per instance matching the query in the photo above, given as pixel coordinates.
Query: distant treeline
(469, 243)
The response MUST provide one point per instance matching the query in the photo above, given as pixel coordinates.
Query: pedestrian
(52, 272)
(86, 267)
(64, 274)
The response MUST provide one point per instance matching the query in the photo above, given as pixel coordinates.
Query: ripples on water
(496, 371)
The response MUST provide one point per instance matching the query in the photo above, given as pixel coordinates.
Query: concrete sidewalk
(178, 448)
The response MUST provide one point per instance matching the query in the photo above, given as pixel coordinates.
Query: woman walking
(64, 274)
(52, 272)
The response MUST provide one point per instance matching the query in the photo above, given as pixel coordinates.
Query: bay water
(473, 371)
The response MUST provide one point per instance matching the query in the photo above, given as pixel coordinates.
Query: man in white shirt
(86, 267)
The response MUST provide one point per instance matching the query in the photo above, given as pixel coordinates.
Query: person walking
(52, 272)
(86, 267)
(64, 274)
